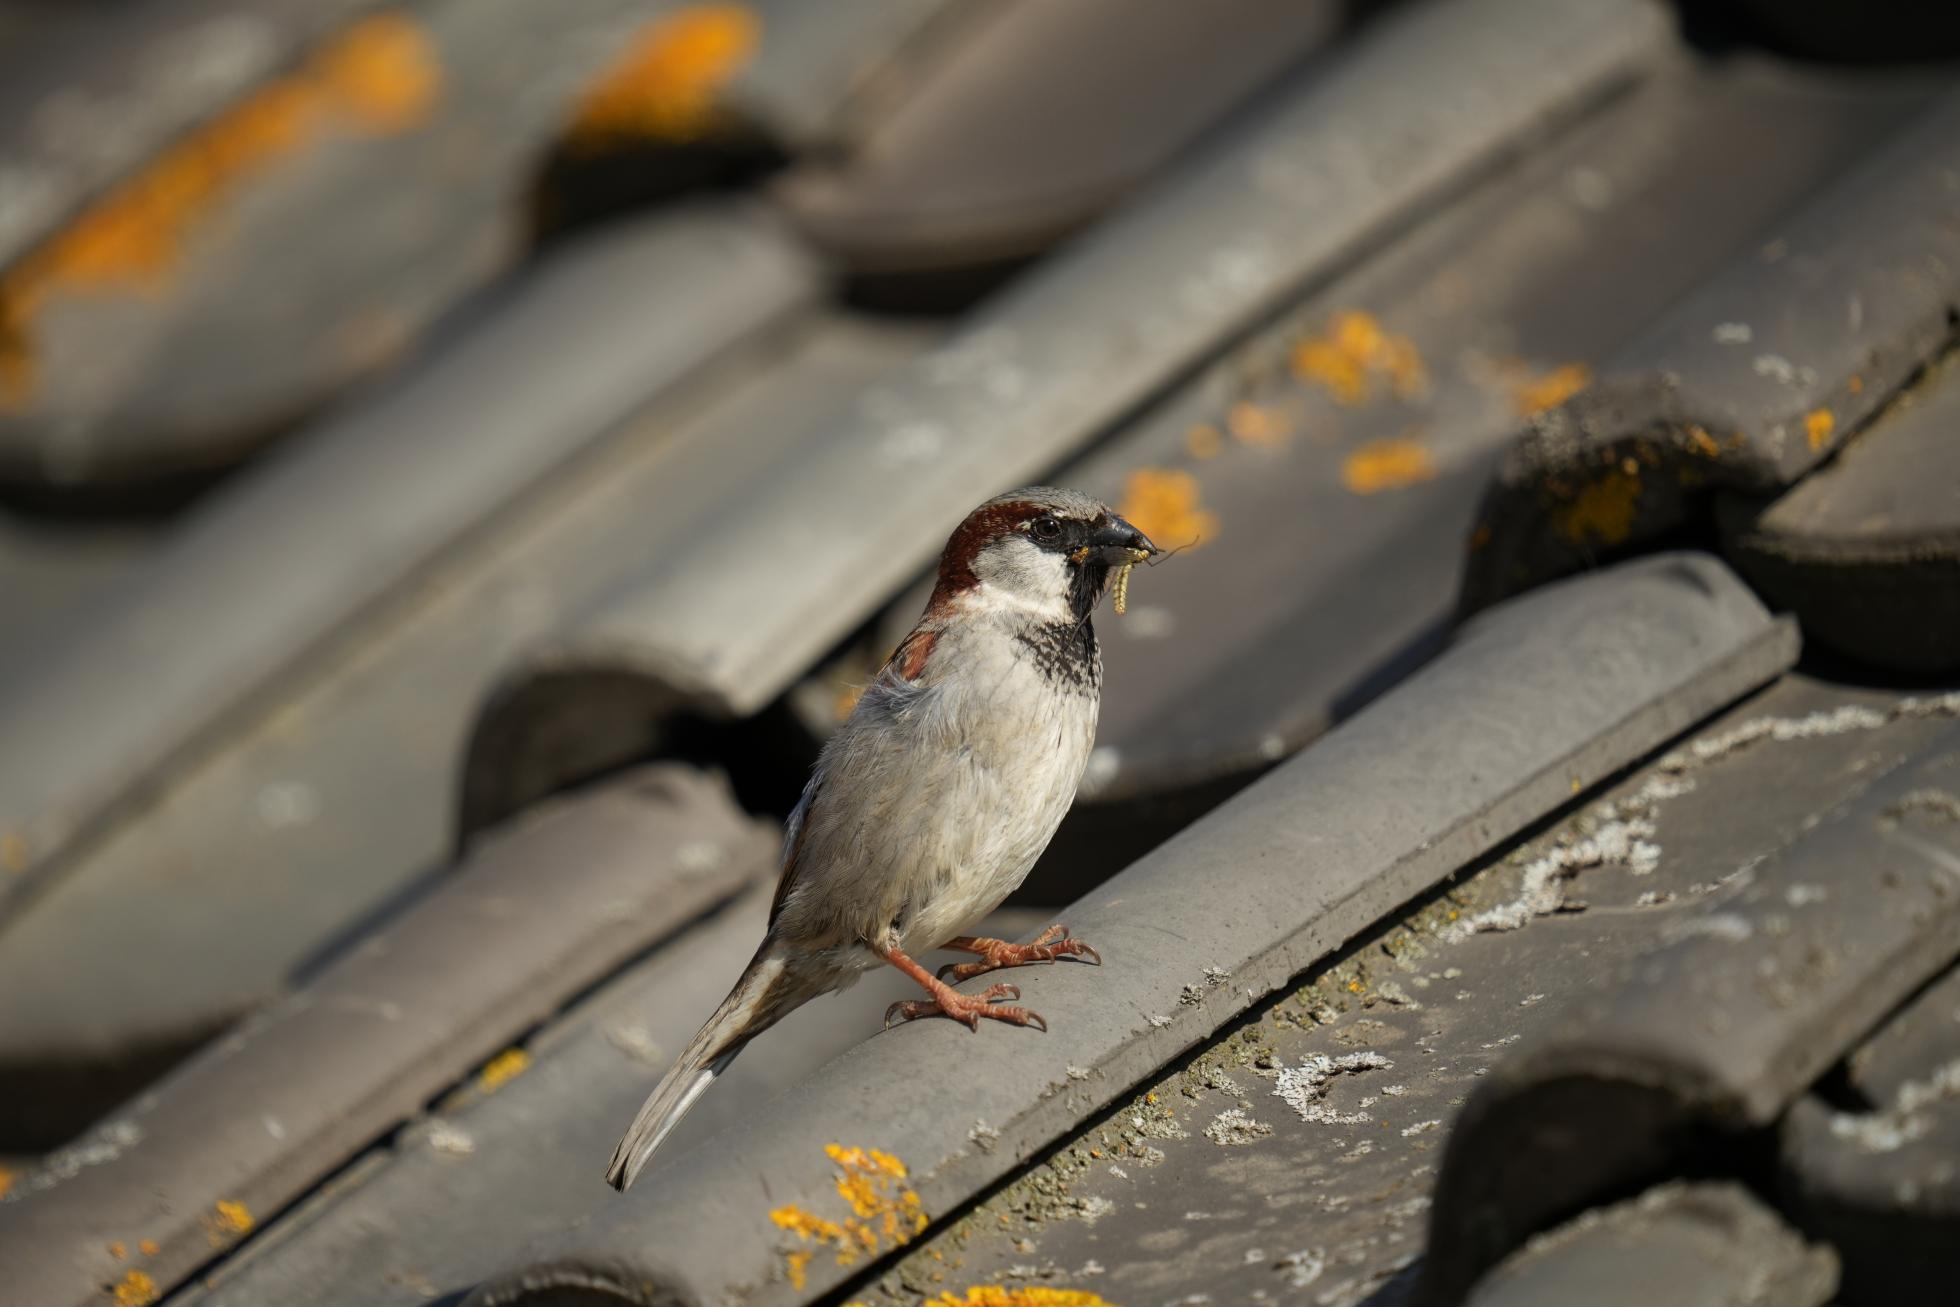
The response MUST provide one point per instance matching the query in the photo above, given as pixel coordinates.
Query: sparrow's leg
(949, 1002)
(1050, 944)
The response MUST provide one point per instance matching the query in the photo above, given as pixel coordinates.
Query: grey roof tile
(1724, 1023)
(215, 217)
(88, 96)
(308, 231)
(50, 568)
(823, 76)
(1486, 257)
(1361, 1067)
(1877, 1177)
(1070, 350)
(1866, 550)
(1747, 384)
(1328, 469)
(264, 663)
(262, 1115)
(1698, 1245)
(455, 1194)
(1039, 118)
(1681, 638)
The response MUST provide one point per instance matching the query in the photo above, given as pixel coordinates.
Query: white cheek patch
(1015, 572)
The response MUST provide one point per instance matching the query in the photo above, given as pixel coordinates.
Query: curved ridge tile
(1719, 1029)
(537, 913)
(1748, 385)
(1055, 361)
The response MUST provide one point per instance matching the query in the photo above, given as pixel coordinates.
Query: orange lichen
(502, 1069)
(1702, 443)
(1252, 425)
(665, 86)
(1602, 511)
(118, 1251)
(1818, 424)
(885, 1212)
(233, 1217)
(378, 76)
(1035, 1295)
(13, 852)
(1856, 385)
(1535, 394)
(1163, 504)
(135, 1289)
(148, 1247)
(1202, 441)
(382, 72)
(1386, 465)
(1353, 353)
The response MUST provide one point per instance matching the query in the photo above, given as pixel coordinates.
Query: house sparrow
(932, 801)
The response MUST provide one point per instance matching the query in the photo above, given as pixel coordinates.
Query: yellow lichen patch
(502, 1069)
(1386, 465)
(233, 1217)
(135, 1289)
(378, 76)
(1036, 1295)
(885, 1212)
(6, 1181)
(1818, 424)
(382, 72)
(1702, 443)
(1535, 394)
(118, 1251)
(1603, 511)
(1251, 424)
(148, 1247)
(1163, 504)
(664, 88)
(1202, 441)
(1353, 353)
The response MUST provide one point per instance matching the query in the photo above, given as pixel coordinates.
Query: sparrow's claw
(967, 1009)
(1050, 944)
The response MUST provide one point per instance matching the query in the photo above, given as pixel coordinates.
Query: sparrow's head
(1042, 551)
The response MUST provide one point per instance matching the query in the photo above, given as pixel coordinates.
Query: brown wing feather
(907, 661)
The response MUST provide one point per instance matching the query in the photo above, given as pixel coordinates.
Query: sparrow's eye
(1047, 529)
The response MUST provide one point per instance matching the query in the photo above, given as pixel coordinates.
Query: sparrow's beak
(1117, 542)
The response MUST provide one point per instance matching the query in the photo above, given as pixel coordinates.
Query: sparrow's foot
(949, 1002)
(967, 1008)
(1050, 944)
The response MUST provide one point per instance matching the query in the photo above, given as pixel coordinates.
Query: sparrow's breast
(937, 799)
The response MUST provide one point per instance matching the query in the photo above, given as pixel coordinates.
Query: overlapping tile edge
(245, 1127)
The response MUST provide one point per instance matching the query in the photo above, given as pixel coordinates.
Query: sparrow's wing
(899, 676)
(793, 844)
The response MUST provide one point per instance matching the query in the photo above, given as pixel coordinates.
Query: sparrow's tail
(764, 993)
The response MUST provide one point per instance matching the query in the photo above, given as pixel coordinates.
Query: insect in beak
(1119, 593)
